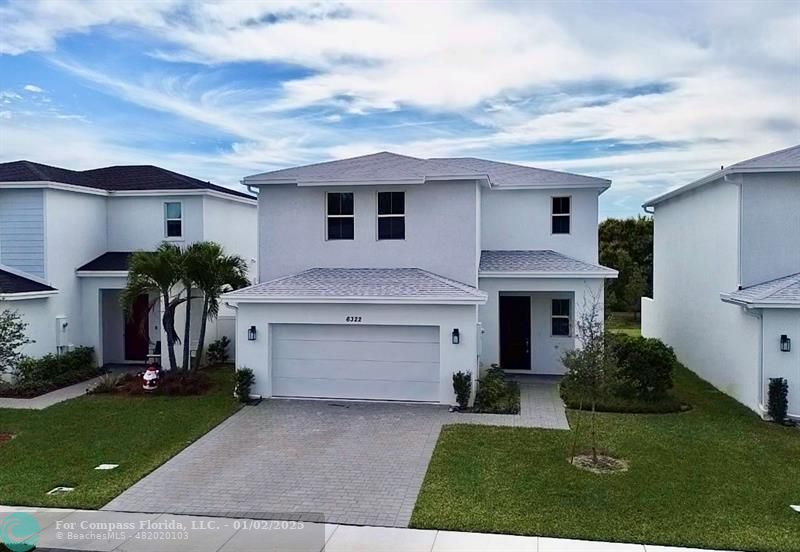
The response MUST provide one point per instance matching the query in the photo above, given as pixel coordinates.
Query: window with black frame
(560, 317)
(391, 215)
(561, 215)
(340, 216)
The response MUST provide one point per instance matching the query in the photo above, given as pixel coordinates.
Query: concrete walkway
(51, 398)
(127, 532)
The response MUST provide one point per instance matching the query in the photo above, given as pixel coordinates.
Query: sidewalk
(103, 531)
(51, 398)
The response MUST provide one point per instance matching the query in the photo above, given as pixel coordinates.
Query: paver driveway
(341, 462)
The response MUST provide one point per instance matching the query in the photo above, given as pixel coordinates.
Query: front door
(515, 332)
(137, 337)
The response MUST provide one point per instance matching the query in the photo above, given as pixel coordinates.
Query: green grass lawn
(62, 444)
(714, 477)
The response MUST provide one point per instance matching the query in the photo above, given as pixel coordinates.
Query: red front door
(137, 337)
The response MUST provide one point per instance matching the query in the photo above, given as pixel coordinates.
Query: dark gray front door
(515, 332)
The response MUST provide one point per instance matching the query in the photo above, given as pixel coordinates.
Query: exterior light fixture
(251, 333)
(456, 337)
(786, 343)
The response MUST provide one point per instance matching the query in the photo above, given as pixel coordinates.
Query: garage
(380, 362)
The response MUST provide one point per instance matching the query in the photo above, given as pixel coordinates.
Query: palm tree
(213, 272)
(159, 271)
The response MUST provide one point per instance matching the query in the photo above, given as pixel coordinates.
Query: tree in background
(627, 246)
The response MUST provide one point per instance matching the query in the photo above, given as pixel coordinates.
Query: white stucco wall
(770, 226)
(453, 358)
(22, 230)
(696, 246)
(778, 364)
(546, 349)
(41, 327)
(521, 219)
(440, 231)
(137, 223)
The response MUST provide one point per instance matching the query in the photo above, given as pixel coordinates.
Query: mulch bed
(172, 384)
(604, 464)
(5, 437)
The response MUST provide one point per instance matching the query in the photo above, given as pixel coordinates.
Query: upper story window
(560, 317)
(561, 215)
(340, 216)
(173, 219)
(391, 215)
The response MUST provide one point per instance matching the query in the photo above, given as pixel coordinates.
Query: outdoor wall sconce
(786, 343)
(251, 333)
(456, 337)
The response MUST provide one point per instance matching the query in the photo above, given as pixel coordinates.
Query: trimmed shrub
(244, 381)
(462, 385)
(217, 352)
(778, 399)
(36, 376)
(495, 394)
(645, 366)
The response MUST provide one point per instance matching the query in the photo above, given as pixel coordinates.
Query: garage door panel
(356, 361)
(360, 370)
(356, 332)
(301, 349)
(360, 389)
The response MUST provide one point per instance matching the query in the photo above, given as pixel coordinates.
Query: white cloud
(32, 88)
(524, 75)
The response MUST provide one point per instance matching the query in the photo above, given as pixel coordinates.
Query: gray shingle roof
(782, 159)
(505, 175)
(361, 284)
(387, 166)
(782, 291)
(544, 262)
(14, 283)
(111, 261)
(786, 160)
(112, 179)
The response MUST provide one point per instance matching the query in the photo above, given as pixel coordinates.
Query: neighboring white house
(383, 275)
(726, 280)
(65, 240)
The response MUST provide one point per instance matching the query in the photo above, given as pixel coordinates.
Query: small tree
(778, 399)
(591, 368)
(12, 339)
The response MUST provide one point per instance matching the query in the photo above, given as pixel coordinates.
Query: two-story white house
(726, 278)
(66, 237)
(383, 275)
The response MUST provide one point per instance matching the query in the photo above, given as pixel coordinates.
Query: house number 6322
(352, 319)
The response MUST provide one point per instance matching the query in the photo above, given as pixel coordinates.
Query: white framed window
(561, 215)
(339, 216)
(560, 318)
(173, 219)
(391, 215)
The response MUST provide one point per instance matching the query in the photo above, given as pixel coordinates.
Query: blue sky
(648, 94)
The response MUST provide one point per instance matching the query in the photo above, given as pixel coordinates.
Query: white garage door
(356, 362)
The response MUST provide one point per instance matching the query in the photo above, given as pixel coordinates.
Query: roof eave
(761, 304)
(711, 178)
(101, 273)
(442, 300)
(546, 274)
(24, 295)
